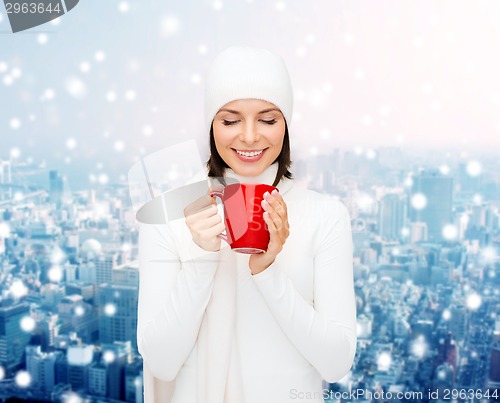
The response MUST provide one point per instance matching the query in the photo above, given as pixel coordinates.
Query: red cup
(246, 230)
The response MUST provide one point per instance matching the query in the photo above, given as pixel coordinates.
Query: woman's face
(250, 126)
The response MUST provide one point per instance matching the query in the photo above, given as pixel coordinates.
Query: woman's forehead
(249, 105)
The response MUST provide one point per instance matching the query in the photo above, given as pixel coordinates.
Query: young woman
(218, 326)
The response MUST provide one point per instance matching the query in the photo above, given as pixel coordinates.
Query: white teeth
(250, 154)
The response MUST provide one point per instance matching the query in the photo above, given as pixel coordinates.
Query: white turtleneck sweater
(295, 321)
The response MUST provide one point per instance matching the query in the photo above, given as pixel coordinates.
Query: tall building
(459, 322)
(468, 183)
(61, 369)
(13, 339)
(437, 192)
(5, 179)
(78, 316)
(79, 361)
(47, 327)
(418, 232)
(51, 294)
(126, 274)
(133, 382)
(85, 289)
(5, 172)
(365, 326)
(396, 271)
(56, 187)
(120, 352)
(97, 379)
(494, 375)
(87, 272)
(392, 214)
(41, 367)
(361, 237)
(104, 267)
(118, 313)
(441, 273)
(78, 376)
(69, 272)
(478, 215)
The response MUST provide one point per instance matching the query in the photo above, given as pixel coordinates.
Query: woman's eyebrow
(270, 110)
(228, 110)
(238, 113)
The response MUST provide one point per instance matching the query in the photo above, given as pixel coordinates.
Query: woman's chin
(249, 169)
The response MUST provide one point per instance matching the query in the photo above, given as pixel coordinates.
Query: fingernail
(265, 203)
(274, 192)
(267, 195)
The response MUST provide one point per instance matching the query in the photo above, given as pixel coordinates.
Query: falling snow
(23, 379)
(110, 309)
(473, 168)
(55, 274)
(384, 361)
(419, 201)
(28, 324)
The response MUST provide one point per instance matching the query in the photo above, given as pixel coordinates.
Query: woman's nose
(249, 134)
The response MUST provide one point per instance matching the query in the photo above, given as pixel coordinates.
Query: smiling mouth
(250, 153)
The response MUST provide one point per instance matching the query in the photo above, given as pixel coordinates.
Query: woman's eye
(270, 122)
(229, 122)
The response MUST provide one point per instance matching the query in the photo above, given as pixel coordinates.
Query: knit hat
(245, 72)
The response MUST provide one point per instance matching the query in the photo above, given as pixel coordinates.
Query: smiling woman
(219, 326)
(248, 135)
(236, 136)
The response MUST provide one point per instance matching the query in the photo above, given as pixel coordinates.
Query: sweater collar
(267, 177)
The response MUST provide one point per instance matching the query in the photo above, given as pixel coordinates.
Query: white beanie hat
(245, 72)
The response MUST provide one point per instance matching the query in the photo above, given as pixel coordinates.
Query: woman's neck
(267, 176)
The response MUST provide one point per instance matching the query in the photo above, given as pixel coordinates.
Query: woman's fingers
(278, 214)
(275, 239)
(204, 222)
(203, 203)
(277, 203)
(278, 225)
(215, 230)
(208, 222)
(206, 212)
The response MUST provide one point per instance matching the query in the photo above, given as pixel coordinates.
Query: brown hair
(217, 166)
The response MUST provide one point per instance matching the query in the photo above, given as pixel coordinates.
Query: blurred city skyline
(426, 257)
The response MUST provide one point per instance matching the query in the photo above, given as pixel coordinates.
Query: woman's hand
(276, 218)
(204, 223)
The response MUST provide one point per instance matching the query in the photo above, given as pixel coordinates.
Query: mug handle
(219, 194)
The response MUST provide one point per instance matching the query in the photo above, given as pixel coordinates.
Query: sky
(113, 81)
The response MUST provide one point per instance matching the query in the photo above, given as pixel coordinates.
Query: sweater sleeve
(325, 333)
(173, 295)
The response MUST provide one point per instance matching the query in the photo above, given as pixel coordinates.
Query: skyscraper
(116, 367)
(5, 179)
(117, 313)
(392, 214)
(13, 339)
(104, 267)
(56, 187)
(468, 183)
(97, 379)
(430, 201)
(41, 367)
(494, 372)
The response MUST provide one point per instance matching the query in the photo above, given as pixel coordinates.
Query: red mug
(246, 230)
